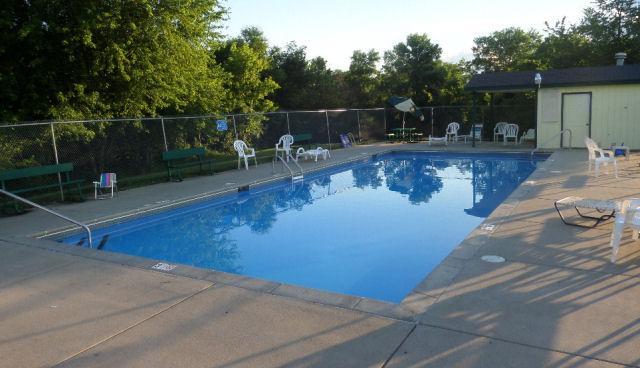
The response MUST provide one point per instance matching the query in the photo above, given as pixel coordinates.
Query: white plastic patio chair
(244, 152)
(284, 145)
(511, 132)
(529, 135)
(600, 157)
(107, 181)
(499, 130)
(627, 217)
(452, 131)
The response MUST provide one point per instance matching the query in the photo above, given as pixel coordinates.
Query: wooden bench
(38, 171)
(179, 159)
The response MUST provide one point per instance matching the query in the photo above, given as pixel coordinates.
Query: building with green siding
(599, 102)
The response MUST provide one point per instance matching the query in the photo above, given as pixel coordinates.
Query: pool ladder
(284, 163)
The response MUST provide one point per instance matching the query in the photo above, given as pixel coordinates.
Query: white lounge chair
(600, 157)
(511, 132)
(452, 131)
(498, 130)
(438, 140)
(244, 152)
(284, 146)
(529, 135)
(315, 153)
(627, 217)
(606, 208)
(107, 181)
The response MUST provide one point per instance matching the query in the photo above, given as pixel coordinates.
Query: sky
(333, 29)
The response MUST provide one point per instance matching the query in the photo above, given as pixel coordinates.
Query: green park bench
(52, 171)
(300, 139)
(179, 159)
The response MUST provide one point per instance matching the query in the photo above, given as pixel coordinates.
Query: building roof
(522, 81)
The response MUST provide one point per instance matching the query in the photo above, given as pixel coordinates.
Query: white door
(576, 116)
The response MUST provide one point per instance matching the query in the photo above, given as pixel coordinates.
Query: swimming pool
(373, 228)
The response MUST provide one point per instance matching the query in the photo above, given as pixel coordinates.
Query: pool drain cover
(163, 266)
(492, 259)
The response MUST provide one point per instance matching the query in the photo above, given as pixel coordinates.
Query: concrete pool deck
(557, 301)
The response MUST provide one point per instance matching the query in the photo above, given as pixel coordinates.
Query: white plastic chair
(627, 217)
(244, 152)
(499, 130)
(511, 132)
(107, 181)
(529, 135)
(600, 157)
(452, 131)
(284, 145)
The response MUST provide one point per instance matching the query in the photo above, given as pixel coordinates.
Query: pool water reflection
(372, 229)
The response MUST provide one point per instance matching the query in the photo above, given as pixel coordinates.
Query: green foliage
(410, 68)
(506, 50)
(363, 79)
(564, 47)
(612, 26)
(71, 60)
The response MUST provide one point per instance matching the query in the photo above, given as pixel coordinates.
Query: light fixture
(537, 79)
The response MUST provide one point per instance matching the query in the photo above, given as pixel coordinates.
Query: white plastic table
(624, 148)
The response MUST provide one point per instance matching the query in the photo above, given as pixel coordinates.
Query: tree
(363, 79)
(507, 50)
(564, 47)
(246, 61)
(289, 71)
(108, 58)
(612, 26)
(410, 68)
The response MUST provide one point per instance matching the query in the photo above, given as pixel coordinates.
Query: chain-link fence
(133, 147)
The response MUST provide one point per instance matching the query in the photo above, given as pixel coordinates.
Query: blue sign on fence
(221, 125)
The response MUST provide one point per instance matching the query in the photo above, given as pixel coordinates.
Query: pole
(384, 114)
(535, 123)
(432, 122)
(359, 132)
(55, 156)
(473, 119)
(326, 114)
(288, 127)
(164, 134)
(235, 131)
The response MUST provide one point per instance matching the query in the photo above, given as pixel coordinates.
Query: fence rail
(132, 147)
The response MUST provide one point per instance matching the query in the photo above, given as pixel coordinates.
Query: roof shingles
(517, 81)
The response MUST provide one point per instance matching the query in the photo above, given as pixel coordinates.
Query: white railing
(24, 200)
(560, 134)
(284, 163)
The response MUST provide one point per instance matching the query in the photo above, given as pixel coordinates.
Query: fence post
(384, 114)
(432, 122)
(359, 132)
(55, 156)
(164, 134)
(326, 114)
(235, 131)
(288, 128)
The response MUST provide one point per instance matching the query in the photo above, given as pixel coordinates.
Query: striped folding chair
(107, 181)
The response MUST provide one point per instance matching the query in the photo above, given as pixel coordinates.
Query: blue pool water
(374, 228)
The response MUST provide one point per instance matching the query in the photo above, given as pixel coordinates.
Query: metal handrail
(554, 137)
(287, 166)
(85, 227)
